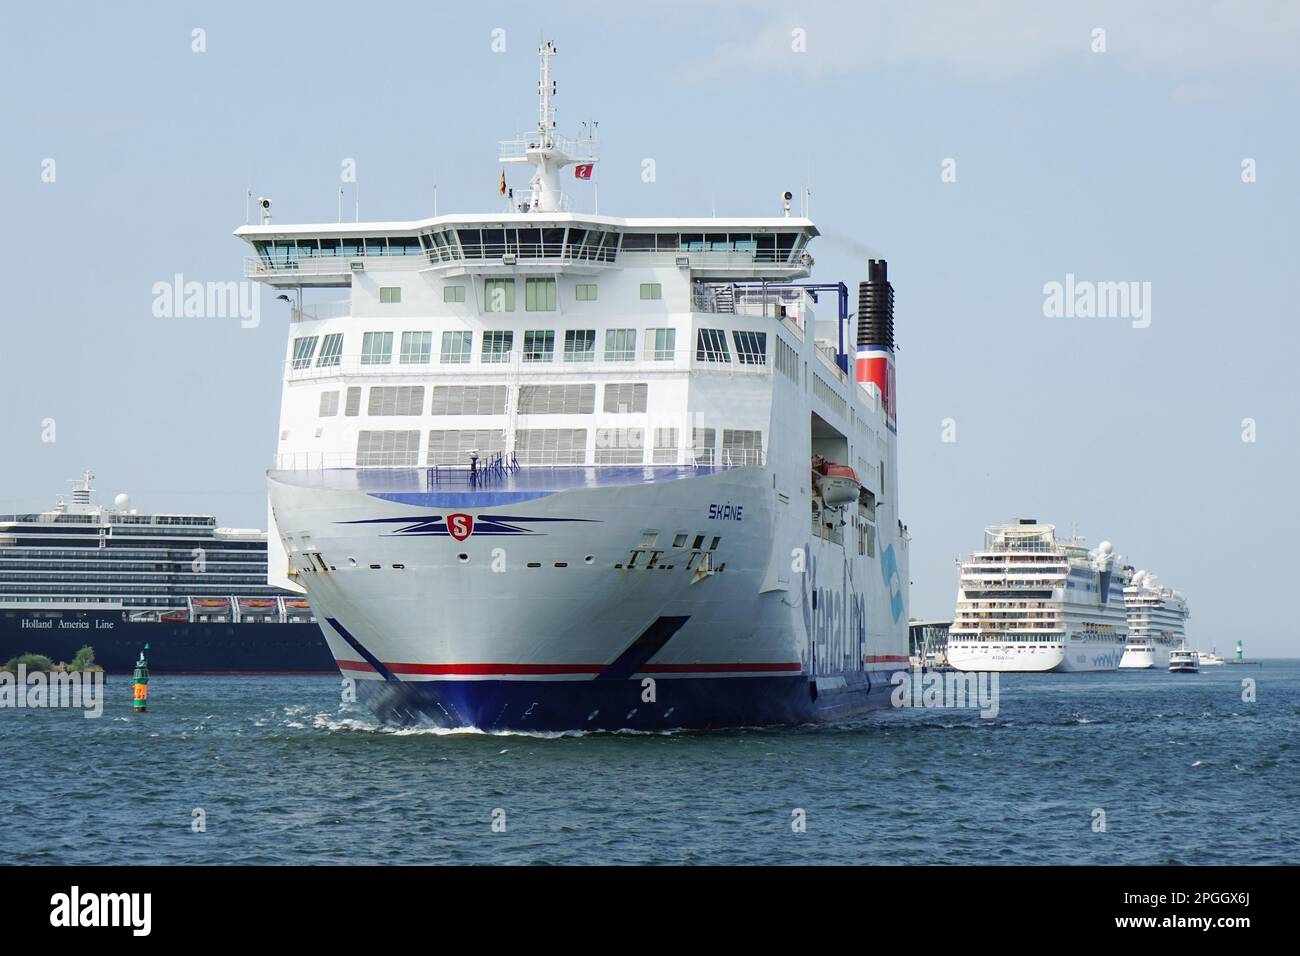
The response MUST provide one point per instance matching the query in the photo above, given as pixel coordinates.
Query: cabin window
(539, 345)
(353, 405)
(303, 350)
(496, 347)
(751, 347)
(329, 404)
(469, 400)
(585, 292)
(711, 346)
(579, 345)
(620, 345)
(703, 442)
(456, 347)
(498, 295)
(551, 446)
(376, 348)
(539, 295)
(661, 344)
(742, 447)
(331, 350)
(383, 449)
(452, 447)
(417, 348)
(665, 453)
(572, 399)
(620, 446)
(396, 400)
(652, 290)
(453, 293)
(626, 397)
(390, 294)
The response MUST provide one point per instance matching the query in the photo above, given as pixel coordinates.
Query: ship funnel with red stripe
(875, 360)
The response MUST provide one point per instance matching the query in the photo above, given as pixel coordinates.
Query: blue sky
(1122, 165)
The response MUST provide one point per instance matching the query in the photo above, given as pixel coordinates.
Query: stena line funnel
(875, 359)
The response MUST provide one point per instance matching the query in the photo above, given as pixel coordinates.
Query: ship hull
(599, 606)
(1072, 656)
(174, 648)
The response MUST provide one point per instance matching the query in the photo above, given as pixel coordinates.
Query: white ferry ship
(1156, 616)
(543, 469)
(1027, 602)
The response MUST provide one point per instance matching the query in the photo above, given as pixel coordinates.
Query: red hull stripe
(490, 670)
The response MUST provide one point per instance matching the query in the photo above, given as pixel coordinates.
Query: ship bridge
(330, 255)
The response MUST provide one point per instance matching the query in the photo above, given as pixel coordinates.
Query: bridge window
(585, 292)
(376, 348)
(539, 345)
(652, 290)
(661, 344)
(579, 345)
(303, 350)
(620, 345)
(499, 295)
(751, 347)
(539, 295)
(711, 346)
(453, 293)
(390, 295)
(456, 347)
(496, 347)
(331, 350)
(417, 348)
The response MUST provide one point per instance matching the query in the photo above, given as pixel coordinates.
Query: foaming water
(1181, 768)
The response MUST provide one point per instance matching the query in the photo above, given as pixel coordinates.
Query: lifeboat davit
(838, 484)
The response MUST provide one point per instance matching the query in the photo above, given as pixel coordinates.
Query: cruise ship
(1028, 602)
(541, 469)
(1155, 622)
(116, 579)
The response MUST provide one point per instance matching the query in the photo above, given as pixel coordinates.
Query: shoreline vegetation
(39, 663)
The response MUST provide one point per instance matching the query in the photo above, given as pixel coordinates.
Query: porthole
(463, 558)
(589, 559)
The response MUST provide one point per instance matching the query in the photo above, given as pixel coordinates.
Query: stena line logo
(460, 526)
(102, 909)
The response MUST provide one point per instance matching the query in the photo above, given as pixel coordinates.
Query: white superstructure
(1028, 602)
(1156, 616)
(547, 469)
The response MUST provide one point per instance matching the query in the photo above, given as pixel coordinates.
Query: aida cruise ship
(1028, 602)
(542, 469)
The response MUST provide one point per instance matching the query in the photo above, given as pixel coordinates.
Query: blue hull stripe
(650, 643)
(357, 646)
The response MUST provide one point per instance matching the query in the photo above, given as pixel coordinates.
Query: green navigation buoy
(140, 684)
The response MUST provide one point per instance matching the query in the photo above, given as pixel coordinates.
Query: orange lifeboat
(838, 484)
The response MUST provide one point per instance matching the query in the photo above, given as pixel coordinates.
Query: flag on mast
(502, 188)
(582, 171)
